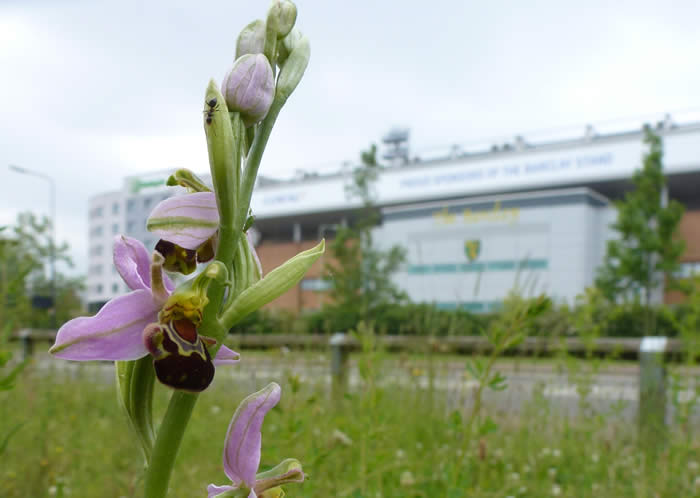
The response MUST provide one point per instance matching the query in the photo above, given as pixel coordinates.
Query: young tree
(359, 274)
(24, 255)
(647, 252)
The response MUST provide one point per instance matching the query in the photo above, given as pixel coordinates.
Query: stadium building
(475, 223)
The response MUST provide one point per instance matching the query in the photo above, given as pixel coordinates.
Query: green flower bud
(282, 16)
(286, 45)
(294, 65)
(251, 40)
(249, 88)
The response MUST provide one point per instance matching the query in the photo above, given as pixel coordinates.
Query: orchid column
(176, 334)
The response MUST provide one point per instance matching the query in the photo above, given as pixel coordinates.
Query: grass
(378, 441)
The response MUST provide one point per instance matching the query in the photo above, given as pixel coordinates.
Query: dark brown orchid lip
(181, 358)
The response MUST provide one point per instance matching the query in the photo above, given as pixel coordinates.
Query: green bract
(272, 286)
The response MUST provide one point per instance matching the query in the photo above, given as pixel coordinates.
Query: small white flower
(419, 445)
(595, 457)
(407, 478)
(556, 490)
(527, 469)
(556, 453)
(693, 466)
(339, 436)
(696, 483)
(400, 454)
(52, 490)
(215, 409)
(522, 490)
(498, 453)
(514, 476)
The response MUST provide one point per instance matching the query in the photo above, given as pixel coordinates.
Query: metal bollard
(652, 391)
(340, 350)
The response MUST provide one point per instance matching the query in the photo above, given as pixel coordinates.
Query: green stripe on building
(497, 265)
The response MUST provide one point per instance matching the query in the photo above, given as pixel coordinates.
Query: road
(612, 389)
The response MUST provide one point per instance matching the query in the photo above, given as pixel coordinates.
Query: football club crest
(472, 248)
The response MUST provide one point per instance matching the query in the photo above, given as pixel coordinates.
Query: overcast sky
(92, 91)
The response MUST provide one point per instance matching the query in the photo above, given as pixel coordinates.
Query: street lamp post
(52, 241)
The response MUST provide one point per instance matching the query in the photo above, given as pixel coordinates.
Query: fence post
(25, 336)
(340, 350)
(652, 391)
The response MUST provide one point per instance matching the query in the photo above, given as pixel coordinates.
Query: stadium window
(115, 208)
(98, 288)
(115, 288)
(115, 228)
(130, 205)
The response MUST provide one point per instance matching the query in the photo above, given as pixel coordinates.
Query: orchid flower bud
(282, 16)
(295, 60)
(249, 87)
(251, 40)
(286, 45)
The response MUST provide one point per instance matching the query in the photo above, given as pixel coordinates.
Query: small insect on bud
(249, 88)
(251, 39)
(282, 16)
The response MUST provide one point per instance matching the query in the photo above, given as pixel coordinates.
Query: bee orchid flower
(242, 452)
(190, 222)
(116, 331)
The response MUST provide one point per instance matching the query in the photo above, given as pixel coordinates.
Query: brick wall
(273, 254)
(689, 230)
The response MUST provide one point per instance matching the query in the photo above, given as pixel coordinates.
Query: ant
(213, 107)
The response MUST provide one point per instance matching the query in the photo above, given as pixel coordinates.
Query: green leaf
(7, 382)
(456, 419)
(488, 426)
(475, 367)
(498, 382)
(6, 440)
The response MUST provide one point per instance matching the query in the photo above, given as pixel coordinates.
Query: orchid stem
(168, 443)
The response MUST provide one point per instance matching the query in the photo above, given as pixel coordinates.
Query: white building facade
(533, 217)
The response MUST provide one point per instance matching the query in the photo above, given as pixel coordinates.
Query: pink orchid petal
(133, 262)
(113, 334)
(214, 490)
(243, 439)
(186, 220)
(226, 356)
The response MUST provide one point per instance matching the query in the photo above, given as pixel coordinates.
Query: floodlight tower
(396, 141)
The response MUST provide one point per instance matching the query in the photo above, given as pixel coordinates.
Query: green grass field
(378, 441)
